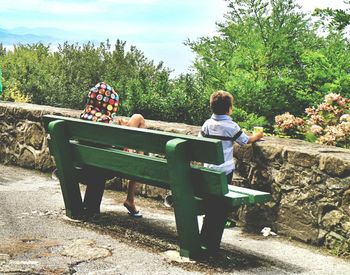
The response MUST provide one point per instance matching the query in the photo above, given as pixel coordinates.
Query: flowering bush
(328, 123)
(289, 125)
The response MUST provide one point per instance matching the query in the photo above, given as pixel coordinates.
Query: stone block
(26, 158)
(302, 158)
(34, 136)
(336, 184)
(334, 166)
(346, 227)
(44, 162)
(298, 222)
(337, 243)
(243, 153)
(332, 219)
(268, 152)
(346, 200)
(6, 139)
(256, 217)
(19, 113)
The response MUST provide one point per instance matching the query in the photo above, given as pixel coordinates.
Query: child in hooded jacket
(101, 106)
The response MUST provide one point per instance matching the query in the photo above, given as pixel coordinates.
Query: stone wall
(310, 183)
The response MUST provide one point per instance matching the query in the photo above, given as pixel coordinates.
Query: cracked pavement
(37, 238)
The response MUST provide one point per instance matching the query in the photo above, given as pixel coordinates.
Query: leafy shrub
(13, 93)
(248, 120)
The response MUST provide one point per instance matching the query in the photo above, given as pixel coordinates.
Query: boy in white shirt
(221, 126)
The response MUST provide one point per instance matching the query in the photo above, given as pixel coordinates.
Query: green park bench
(196, 190)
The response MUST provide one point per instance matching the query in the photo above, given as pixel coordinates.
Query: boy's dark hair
(220, 102)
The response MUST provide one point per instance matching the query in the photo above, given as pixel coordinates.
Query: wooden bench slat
(200, 149)
(208, 181)
(232, 198)
(255, 196)
(147, 169)
(236, 199)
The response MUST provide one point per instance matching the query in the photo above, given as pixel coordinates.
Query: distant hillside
(9, 38)
(22, 35)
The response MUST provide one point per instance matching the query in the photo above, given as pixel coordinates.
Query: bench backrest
(101, 145)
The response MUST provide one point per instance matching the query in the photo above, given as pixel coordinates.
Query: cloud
(70, 7)
(157, 26)
(310, 6)
(129, 2)
(53, 7)
(90, 7)
(182, 18)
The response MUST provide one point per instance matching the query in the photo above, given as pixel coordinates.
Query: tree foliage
(34, 73)
(272, 57)
(333, 19)
(269, 56)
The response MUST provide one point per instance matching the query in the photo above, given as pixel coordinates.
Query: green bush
(248, 121)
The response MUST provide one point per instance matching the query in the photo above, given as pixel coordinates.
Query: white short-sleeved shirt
(222, 125)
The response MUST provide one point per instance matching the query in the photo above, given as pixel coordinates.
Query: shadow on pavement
(158, 236)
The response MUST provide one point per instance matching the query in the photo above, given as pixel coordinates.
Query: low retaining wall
(310, 183)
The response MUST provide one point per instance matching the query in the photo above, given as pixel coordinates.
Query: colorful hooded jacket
(102, 104)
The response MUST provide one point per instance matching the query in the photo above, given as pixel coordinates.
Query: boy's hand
(259, 135)
(255, 137)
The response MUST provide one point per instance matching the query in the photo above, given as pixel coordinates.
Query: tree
(334, 20)
(257, 55)
(62, 78)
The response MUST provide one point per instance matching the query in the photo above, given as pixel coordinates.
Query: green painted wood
(200, 149)
(200, 206)
(147, 169)
(61, 150)
(134, 166)
(255, 196)
(183, 196)
(236, 199)
(232, 198)
(208, 181)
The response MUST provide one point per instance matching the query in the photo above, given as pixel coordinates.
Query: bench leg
(214, 224)
(67, 174)
(183, 196)
(93, 197)
(95, 180)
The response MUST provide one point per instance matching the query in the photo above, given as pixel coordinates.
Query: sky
(156, 27)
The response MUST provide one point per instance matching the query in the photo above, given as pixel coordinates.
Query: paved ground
(36, 238)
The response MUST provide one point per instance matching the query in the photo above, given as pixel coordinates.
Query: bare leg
(137, 121)
(130, 198)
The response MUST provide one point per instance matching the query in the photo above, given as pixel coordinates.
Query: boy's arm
(255, 137)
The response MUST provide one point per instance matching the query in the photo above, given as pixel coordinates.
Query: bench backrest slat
(200, 149)
(147, 169)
